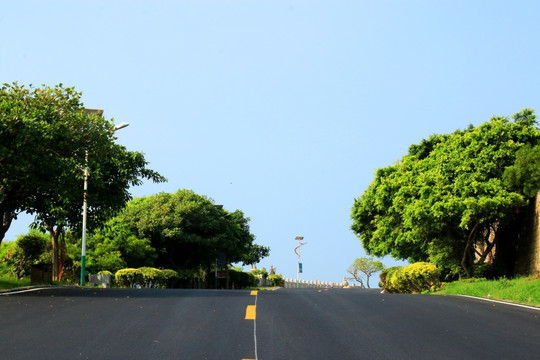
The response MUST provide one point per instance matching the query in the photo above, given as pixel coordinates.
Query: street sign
(222, 260)
(300, 268)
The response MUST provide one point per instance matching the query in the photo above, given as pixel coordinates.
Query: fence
(305, 284)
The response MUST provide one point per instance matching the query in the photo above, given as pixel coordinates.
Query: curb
(31, 288)
(530, 307)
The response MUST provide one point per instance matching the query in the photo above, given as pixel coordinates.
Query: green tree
(366, 266)
(45, 135)
(28, 249)
(188, 231)
(114, 247)
(444, 199)
(524, 175)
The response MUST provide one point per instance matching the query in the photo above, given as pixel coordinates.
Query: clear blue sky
(282, 109)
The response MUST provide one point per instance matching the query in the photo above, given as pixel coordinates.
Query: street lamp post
(85, 204)
(298, 238)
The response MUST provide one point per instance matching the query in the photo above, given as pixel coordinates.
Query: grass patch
(262, 288)
(524, 290)
(8, 282)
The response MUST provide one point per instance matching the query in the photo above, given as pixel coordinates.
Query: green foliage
(523, 290)
(9, 282)
(242, 280)
(26, 251)
(414, 278)
(446, 195)
(152, 278)
(129, 278)
(524, 175)
(189, 232)
(385, 276)
(45, 134)
(5, 249)
(146, 277)
(277, 280)
(262, 272)
(170, 278)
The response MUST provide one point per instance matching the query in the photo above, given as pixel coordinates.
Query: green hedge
(242, 279)
(277, 280)
(129, 278)
(414, 278)
(146, 277)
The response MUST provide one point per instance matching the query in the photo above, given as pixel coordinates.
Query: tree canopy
(443, 201)
(45, 135)
(188, 231)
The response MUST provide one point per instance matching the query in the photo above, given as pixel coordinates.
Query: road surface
(74, 323)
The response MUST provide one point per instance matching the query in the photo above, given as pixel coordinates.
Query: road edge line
(499, 302)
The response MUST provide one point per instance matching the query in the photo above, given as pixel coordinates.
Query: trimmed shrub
(385, 276)
(129, 278)
(242, 279)
(421, 277)
(152, 278)
(147, 277)
(170, 278)
(277, 280)
(414, 278)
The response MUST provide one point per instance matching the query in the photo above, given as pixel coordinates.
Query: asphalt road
(75, 323)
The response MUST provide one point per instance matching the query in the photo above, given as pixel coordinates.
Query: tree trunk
(55, 234)
(7, 218)
(466, 251)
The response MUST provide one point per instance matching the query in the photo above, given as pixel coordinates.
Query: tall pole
(85, 203)
(298, 238)
(85, 210)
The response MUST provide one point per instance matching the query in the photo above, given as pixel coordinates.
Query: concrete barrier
(103, 280)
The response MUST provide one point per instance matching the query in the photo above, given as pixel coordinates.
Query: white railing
(316, 284)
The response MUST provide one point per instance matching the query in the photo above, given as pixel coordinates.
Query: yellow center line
(251, 312)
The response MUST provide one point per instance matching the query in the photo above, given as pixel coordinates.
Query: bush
(147, 277)
(242, 279)
(261, 272)
(277, 280)
(385, 276)
(152, 278)
(414, 278)
(129, 278)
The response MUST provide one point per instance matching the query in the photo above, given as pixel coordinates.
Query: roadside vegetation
(458, 206)
(521, 290)
(423, 278)
(49, 144)
(456, 200)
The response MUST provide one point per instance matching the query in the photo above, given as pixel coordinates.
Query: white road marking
(502, 302)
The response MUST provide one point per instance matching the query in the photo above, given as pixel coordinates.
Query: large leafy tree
(188, 231)
(45, 135)
(114, 247)
(446, 199)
